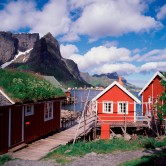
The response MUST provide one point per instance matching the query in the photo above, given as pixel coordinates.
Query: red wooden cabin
(115, 105)
(24, 123)
(151, 93)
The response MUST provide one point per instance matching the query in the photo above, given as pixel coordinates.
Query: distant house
(151, 93)
(29, 108)
(115, 105)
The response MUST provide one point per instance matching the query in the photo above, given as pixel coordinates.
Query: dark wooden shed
(25, 121)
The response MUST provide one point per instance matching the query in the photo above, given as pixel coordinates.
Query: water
(82, 95)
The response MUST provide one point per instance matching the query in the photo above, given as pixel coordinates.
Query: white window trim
(149, 99)
(126, 107)
(111, 107)
(29, 113)
(52, 116)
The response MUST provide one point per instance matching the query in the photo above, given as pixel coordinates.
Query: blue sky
(101, 36)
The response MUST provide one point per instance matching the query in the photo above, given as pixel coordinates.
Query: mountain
(11, 44)
(111, 76)
(106, 79)
(45, 58)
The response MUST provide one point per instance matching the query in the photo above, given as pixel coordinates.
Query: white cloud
(16, 15)
(96, 56)
(54, 17)
(120, 68)
(68, 50)
(153, 55)
(111, 18)
(110, 43)
(96, 18)
(162, 13)
(113, 59)
(153, 66)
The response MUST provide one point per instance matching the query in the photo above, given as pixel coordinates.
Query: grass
(4, 159)
(156, 160)
(24, 86)
(67, 152)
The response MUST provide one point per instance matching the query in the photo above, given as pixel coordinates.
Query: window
(122, 107)
(149, 99)
(29, 110)
(48, 111)
(107, 107)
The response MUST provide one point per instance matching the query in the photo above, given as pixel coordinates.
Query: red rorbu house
(151, 93)
(23, 122)
(115, 106)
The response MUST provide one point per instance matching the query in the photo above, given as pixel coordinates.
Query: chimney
(120, 81)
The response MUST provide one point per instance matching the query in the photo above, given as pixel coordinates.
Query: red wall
(4, 121)
(115, 94)
(37, 127)
(16, 125)
(154, 90)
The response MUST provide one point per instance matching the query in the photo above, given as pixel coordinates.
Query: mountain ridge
(106, 79)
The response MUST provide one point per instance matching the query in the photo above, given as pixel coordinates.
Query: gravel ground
(91, 159)
(113, 159)
(18, 162)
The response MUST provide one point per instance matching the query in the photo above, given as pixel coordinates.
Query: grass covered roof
(23, 86)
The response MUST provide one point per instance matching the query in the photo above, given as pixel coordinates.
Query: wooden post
(74, 100)
(125, 119)
(85, 106)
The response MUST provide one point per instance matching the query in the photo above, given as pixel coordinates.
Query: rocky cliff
(11, 44)
(26, 41)
(8, 47)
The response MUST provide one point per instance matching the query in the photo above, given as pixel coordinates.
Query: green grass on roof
(23, 86)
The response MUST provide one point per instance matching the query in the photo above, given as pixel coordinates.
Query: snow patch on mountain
(16, 56)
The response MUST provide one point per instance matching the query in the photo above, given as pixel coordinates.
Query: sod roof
(22, 86)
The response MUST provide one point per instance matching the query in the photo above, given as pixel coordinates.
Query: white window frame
(104, 109)
(119, 112)
(150, 100)
(50, 108)
(27, 113)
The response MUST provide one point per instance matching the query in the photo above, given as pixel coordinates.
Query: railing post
(125, 118)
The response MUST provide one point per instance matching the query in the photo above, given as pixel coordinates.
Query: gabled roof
(4, 99)
(55, 82)
(160, 74)
(121, 87)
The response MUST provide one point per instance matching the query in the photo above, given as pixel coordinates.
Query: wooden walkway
(42, 147)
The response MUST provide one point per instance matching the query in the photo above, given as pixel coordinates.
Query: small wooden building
(25, 121)
(115, 105)
(151, 93)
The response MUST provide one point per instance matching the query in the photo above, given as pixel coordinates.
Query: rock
(118, 136)
(67, 151)
(73, 68)
(134, 137)
(91, 154)
(26, 41)
(160, 138)
(46, 59)
(8, 47)
(127, 137)
(111, 136)
(10, 44)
